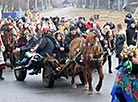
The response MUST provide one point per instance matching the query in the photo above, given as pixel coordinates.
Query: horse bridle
(87, 55)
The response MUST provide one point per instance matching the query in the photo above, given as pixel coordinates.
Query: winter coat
(59, 54)
(129, 21)
(21, 42)
(82, 27)
(67, 41)
(119, 42)
(30, 44)
(130, 35)
(2, 49)
(46, 45)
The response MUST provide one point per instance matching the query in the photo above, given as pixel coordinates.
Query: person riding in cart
(45, 45)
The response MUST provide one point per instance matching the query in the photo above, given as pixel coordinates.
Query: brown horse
(91, 56)
(8, 41)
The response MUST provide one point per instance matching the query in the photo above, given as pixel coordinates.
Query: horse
(90, 52)
(8, 41)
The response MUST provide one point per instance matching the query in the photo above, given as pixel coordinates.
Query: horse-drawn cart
(51, 70)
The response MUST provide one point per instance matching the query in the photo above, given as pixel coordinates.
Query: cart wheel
(20, 74)
(48, 78)
(81, 76)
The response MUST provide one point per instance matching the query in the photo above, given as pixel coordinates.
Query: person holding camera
(128, 19)
(131, 34)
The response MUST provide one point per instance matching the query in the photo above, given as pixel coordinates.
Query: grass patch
(104, 14)
(115, 16)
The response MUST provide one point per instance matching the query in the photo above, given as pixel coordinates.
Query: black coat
(131, 35)
(120, 39)
(128, 21)
(59, 54)
(21, 41)
(30, 44)
(46, 45)
(83, 27)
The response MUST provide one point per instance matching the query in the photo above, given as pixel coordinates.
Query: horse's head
(90, 39)
(91, 46)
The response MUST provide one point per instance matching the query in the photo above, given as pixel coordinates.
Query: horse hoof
(74, 86)
(86, 86)
(90, 93)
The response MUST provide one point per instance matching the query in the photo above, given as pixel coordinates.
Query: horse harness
(81, 52)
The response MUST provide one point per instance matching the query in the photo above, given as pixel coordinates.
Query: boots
(34, 72)
(109, 64)
(36, 68)
(1, 71)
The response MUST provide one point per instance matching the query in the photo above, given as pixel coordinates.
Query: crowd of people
(53, 35)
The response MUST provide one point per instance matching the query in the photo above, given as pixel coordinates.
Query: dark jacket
(119, 42)
(30, 44)
(129, 21)
(130, 35)
(67, 41)
(46, 45)
(82, 27)
(59, 54)
(21, 42)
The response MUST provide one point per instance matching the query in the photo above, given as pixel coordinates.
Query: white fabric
(2, 49)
